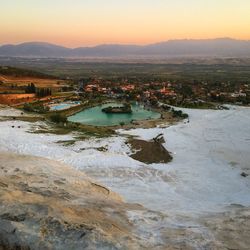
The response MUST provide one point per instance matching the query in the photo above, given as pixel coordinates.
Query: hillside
(221, 47)
(14, 80)
(20, 72)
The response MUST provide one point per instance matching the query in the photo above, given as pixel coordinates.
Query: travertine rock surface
(47, 205)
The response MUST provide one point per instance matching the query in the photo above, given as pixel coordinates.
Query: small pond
(63, 105)
(95, 117)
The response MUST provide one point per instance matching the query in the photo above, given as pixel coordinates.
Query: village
(18, 90)
(191, 95)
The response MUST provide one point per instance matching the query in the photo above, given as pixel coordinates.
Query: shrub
(58, 118)
(38, 108)
(179, 113)
(28, 107)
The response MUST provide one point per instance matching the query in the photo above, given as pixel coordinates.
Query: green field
(237, 70)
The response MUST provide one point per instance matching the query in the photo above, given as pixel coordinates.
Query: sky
(75, 23)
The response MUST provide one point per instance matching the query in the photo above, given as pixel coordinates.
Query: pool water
(94, 116)
(63, 106)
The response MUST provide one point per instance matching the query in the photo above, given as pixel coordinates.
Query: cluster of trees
(30, 89)
(40, 92)
(19, 72)
(179, 113)
(126, 108)
(58, 118)
(227, 99)
(67, 88)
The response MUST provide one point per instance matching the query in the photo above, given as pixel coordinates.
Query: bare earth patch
(149, 151)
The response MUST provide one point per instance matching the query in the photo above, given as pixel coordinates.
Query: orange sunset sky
(75, 23)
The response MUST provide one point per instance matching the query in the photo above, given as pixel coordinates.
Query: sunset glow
(90, 22)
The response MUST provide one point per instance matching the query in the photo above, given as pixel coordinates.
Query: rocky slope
(47, 205)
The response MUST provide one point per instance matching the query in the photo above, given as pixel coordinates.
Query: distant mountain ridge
(224, 47)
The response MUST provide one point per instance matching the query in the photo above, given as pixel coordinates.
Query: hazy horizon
(102, 44)
(90, 23)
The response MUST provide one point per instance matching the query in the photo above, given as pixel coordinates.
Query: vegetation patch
(179, 113)
(199, 105)
(13, 71)
(58, 118)
(125, 109)
(83, 131)
(29, 118)
(37, 107)
(67, 143)
(50, 129)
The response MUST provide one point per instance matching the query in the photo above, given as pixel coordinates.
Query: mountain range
(220, 47)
